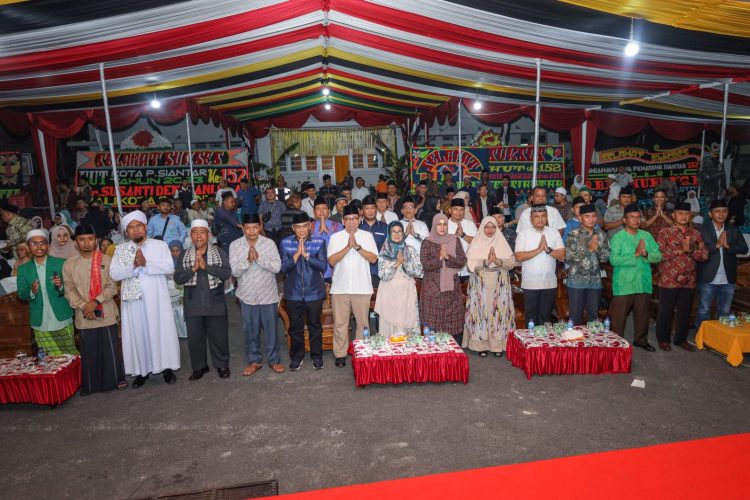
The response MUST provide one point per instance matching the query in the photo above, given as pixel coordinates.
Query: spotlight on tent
(632, 48)
(155, 103)
(327, 106)
(477, 105)
(326, 91)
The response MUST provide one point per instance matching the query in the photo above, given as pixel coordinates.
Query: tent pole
(460, 151)
(536, 121)
(584, 131)
(43, 148)
(111, 141)
(724, 132)
(190, 152)
(700, 159)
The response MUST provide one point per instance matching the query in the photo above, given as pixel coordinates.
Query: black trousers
(215, 330)
(583, 298)
(538, 304)
(300, 312)
(674, 301)
(101, 359)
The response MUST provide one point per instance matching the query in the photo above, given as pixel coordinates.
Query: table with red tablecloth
(23, 380)
(400, 363)
(549, 354)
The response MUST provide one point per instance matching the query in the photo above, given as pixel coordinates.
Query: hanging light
(477, 105)
(633, 47)
(155, 103)
(326, 91)
(327, 106)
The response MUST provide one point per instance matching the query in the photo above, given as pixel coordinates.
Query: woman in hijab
(398, 265)
(63, 218)
(61, 242)
(575, 188)
(441, 303)
(489, 306)
(176, 292)
(24, 255)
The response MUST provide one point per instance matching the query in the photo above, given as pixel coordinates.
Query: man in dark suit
(717, 276)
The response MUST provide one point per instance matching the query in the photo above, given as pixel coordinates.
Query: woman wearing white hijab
(490, 314)
(575, 188)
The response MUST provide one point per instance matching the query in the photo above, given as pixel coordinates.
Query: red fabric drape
(43, 389)
(14, 122)
(568, 360)
(676, 131)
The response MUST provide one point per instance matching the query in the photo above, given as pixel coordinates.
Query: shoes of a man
(223, 372)
(139, 381)
(277, 367)
(295, 365)
(317, 363)
(169, 376)
(198, 374)
(686, 346)
(664, 346)
(646, 347)
(340, 362)
(251, 369)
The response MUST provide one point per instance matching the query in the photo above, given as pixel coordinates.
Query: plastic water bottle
(570, 324)
(732, 320)
(607, 324)
(531, 324)
(432, 337)
(41, 357)
(426, 332)
(366, 336)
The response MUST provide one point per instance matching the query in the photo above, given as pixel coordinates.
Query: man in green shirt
(632, 253)
(40, 284)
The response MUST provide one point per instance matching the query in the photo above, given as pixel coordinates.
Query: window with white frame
(311, 163)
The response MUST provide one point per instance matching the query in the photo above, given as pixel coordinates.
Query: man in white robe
(149, 334)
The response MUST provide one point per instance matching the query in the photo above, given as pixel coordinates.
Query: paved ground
(313, 429)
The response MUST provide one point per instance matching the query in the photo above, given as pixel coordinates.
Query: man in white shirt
(308, 204)
(350, 252)
(222, 189)
(415, 230)
(360, 191)
(461, 227)
(614, 189)
(554, 219)
(381, 203)
(537, 249)
(623, 177)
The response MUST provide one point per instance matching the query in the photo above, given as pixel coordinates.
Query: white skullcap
(199, 223)
(37, 232)
(561, 190)
(194, 201)
(134, 215)
(612, 176)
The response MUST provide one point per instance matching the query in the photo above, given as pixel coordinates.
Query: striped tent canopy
(256, 64)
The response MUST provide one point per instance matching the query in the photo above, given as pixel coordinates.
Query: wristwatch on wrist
(358, 248)
(548, 250)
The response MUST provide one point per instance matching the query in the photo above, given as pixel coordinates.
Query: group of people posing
(416, 269)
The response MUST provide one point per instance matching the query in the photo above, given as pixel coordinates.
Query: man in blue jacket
(304, 260)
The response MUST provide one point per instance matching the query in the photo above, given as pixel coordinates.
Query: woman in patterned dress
(398, 265)
(441, 303)
(489, 306)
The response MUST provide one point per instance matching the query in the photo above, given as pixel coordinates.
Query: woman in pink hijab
(441, 303)
(61, 242)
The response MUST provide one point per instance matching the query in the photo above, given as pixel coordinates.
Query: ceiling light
(326, 91)
(155, 103)
(632, 48)
(477, 105)
(327, 106)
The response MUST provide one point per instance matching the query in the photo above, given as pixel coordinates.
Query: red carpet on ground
(715, 468)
